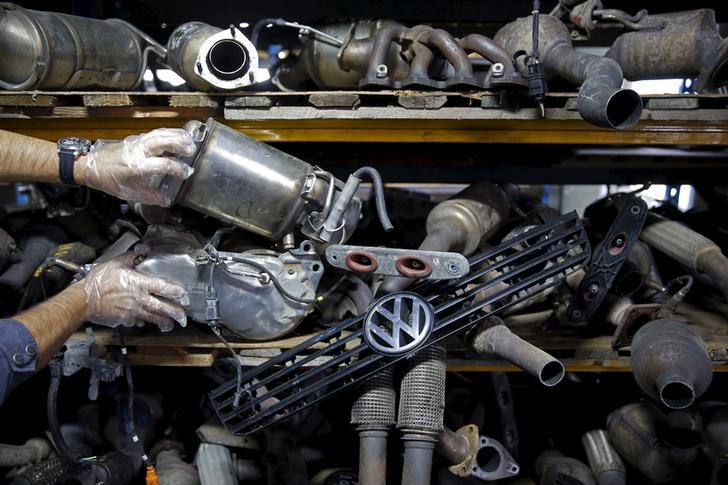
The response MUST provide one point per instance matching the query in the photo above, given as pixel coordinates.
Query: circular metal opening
(551, 373)
(227, 59)
(361, 262)
(624, 109)
(413, 267)
(677, 395)
(488, 459)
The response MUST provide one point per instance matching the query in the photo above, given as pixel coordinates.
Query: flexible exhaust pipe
(421, 413)
(373, 414)
(670, 363)
(605, 463)
(499, 340)
(47, 50)
(601, 99)
(459, 224)
(689, 248)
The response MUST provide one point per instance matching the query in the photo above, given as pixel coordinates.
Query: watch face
(73, 143)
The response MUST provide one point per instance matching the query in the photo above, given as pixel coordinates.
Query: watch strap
(66, 162)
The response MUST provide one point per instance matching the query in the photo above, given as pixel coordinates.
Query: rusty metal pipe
(454, 447)
(499, 340)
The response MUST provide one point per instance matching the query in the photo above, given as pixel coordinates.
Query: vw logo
(398, 323)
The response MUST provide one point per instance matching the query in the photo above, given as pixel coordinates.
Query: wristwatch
(69, 149)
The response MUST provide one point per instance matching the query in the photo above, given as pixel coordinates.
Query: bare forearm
(53, 321)
(27, 159)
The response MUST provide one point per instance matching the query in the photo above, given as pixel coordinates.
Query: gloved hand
(118, 295)
(128, 169)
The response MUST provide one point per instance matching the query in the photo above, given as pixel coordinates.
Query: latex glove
(117, 295)
(131, 168)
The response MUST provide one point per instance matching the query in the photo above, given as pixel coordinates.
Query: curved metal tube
(499, 340)
(376, 75)
(450, 49)
(554, 469)
(491, 51)
(605, 463)
(601, 100)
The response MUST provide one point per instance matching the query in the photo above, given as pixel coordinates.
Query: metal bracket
(409, 263)
(607, 259)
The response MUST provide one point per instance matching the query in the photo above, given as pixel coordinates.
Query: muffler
(47, 50)
(670, 363)
(601, 100)
(210, 58)
(675, 45)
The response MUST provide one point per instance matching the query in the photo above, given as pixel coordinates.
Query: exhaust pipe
(460, 224)
(675, 45)
(209, 58)
(47, 50)
(692, 250)
(499, 340)
(555, 469)
(373, 414)
(605, 463)
(601, 99)
(659, 446)
(421, 413)
(670, 363)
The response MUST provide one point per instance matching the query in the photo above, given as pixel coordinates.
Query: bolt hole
(306, 247)
(316, 268)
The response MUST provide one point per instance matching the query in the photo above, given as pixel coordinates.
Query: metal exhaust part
(252, 185)
(373, 414)
(210, 58)
(421, 413)
(499, 340)
(47, 50)
(33, 451)
(449, 48)
(332, 66)
(477, 456)
(675, 45)
(670, 363)
(215, 465)
(503, 71)
(171, 468)
(555, 469)
(460, 224)
(689, 248)
(601, 99)
(657, 445)
(605, 463)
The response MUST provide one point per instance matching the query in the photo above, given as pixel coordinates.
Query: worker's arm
(112, 294)
(128, 169)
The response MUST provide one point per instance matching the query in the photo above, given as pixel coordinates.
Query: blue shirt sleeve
(18, 355)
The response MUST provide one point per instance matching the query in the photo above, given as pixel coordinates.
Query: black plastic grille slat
(282, 386)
